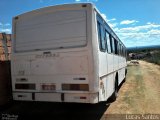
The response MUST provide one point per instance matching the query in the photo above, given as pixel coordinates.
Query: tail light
(29, 86)
(76, 87)
(83, 97)
(48, 87)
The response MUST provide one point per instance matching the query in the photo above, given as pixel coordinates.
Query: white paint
(37, 56)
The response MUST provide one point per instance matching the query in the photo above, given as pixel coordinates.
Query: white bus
(66, 53)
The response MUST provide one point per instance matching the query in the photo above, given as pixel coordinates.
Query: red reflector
(48, 87)
(82, 97)
(78, 87)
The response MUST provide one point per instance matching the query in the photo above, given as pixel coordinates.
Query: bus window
(101, 37)
(112, 44)
(103, 40)
(99, 31)
(116, 46)
(108, 42)
(123, 52)
(120, 50)
(110, 38)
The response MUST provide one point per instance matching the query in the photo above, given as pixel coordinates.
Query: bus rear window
(54, 30)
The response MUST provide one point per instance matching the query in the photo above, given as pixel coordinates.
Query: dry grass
(140, 94)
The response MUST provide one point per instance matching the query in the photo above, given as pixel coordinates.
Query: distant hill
(152, 47)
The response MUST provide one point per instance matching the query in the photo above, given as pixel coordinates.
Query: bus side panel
(121, 75)
(116, 62)
(106, 87)
(110, 62)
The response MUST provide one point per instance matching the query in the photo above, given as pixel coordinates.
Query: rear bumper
(57, 97)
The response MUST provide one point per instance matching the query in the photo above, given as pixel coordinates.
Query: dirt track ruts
(140, 94)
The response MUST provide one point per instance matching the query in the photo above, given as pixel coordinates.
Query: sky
(136, 22)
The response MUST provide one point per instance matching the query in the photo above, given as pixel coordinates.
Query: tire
(124, 80)
(126, 72)
(125, 76)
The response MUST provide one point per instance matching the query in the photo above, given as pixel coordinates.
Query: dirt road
(140, 94)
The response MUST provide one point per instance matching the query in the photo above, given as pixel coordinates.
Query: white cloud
(148, 34)
(112, 25)
(41, 1)
(149, 23)
(7, 24)
(5, 27)
(77, 0)
(154, 32)
(137, 35)
(104, 16)
(113, 19)
(126, 22)
(92, 0)
(136, 39)
(8, 30)
(140, 28)
(109, 21)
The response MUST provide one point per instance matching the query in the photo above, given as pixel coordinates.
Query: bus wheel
(125, 76)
